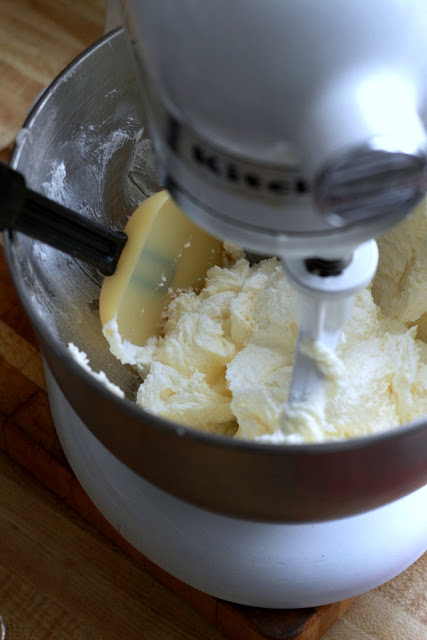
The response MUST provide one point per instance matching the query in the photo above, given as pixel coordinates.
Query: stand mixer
(261, 524)
(291, 129)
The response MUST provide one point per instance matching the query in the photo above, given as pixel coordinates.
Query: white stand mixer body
(251, 563)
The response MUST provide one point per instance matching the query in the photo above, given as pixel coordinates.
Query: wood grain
(61, 580)
(38, 38)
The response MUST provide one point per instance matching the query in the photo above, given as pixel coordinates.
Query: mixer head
(290, 128)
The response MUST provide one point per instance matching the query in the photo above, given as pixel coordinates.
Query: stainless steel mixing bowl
(85, 144)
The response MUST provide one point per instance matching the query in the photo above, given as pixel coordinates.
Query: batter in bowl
(224, 358)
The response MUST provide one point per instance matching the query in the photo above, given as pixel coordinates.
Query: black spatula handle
(45, 220)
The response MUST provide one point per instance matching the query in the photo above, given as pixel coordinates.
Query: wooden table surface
(61, 580)
(58, 577)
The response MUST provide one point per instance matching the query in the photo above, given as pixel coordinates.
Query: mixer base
(251, 563)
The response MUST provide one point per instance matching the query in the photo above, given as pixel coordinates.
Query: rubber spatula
(159, 249)
(165, 252)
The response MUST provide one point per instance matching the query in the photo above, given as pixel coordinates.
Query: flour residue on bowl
(55, 187)
(119, 170)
